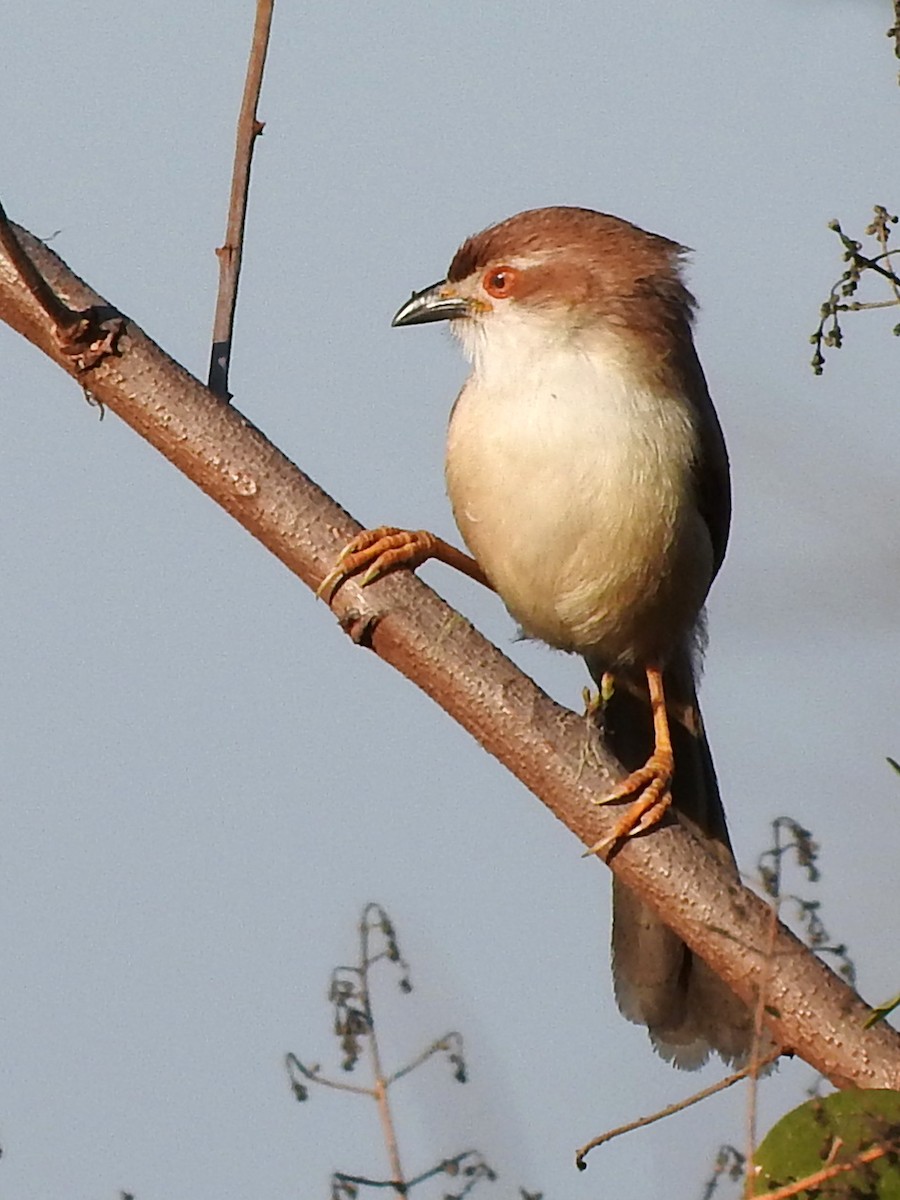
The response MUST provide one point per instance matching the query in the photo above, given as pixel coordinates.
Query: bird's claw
(654, 776)
(651, 785)
(379, 551)
(336, 576)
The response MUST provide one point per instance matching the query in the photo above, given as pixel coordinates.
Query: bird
(588, 476)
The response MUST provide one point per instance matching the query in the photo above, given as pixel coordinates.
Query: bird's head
(561, 275)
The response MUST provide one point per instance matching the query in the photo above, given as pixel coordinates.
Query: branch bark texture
(808, 1008)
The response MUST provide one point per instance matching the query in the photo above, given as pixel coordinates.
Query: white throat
(509, 340)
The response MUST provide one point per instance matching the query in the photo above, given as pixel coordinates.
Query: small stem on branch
(751, 1070)
(231, 252)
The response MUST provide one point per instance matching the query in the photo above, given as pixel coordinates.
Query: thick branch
(808, 1007)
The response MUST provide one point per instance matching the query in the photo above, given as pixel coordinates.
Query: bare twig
(230, 253)
(894, 32)
(451, 1043)
(677, 1107)
(809, 1008)
(355, 1026)
(385, 1115)
(792, 840)
(469, 1164)
(293, 1064)
(881, 229)
(757, 1063)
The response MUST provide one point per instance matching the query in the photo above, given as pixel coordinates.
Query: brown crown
(631, 276)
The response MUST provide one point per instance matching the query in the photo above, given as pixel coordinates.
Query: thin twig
(828, 333)
(230, 253)
(880, 228)
(874, 264)
(477, 1169)
(292, 1062)
(755, 1066)
(363, 1180)
(385, 1115)
(449, 1166)
(434, 1048)
(820, 1177)
(864, 305)
(670, 1109)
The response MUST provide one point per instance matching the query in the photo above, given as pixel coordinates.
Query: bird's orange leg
(388, 549)
(651, 782)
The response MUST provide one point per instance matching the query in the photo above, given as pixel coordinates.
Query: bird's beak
(440, 302)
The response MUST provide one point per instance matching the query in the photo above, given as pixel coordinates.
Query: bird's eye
(500, 281)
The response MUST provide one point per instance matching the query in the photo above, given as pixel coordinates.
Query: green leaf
(830, 1131)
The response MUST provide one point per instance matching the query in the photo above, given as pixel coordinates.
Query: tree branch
(808, 1008)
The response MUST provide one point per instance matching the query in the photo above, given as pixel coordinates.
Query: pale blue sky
(203, 781)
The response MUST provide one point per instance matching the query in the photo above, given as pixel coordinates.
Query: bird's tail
(688, 1010)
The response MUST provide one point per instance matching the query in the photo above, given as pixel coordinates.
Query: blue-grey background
(202, 779)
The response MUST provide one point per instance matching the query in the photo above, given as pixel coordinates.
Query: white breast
(570, 481)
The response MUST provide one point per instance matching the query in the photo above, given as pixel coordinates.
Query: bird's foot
(378, 551)
(387, 549)
(651, 785)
